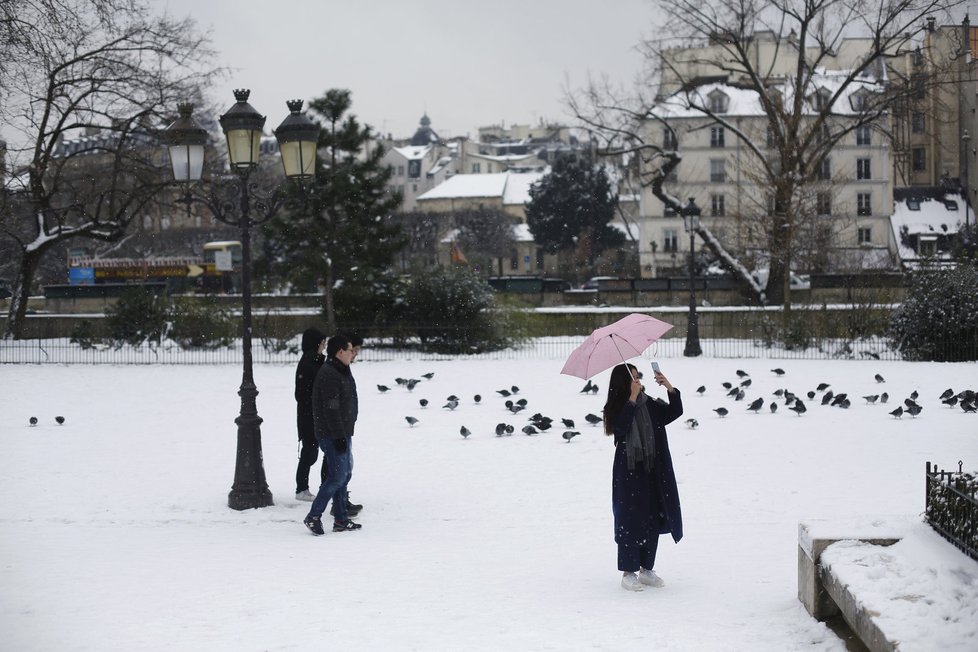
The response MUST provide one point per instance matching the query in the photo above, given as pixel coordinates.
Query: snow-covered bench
(897, 584)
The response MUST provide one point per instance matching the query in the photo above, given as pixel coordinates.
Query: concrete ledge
(860, 620)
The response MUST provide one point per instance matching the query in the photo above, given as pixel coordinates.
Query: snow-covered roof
(511, 187)
(745, 102)
(521, 233)
(412, 152)
(925, 217)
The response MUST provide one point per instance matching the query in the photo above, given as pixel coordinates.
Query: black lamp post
(966, 139)
(242, 124)
(691, 220)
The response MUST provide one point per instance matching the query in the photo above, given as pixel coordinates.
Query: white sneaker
(630, 582)
(305, 495)
(649, 578)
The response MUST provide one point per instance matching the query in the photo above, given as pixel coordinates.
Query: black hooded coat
(305, 376)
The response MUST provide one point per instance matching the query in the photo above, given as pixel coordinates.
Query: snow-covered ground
(115, 534)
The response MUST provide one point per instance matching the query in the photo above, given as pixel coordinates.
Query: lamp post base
(250, 489)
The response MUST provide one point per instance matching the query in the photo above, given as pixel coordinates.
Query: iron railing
(952, 507)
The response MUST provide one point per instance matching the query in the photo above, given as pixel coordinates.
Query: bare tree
(780, 52)
(85, 86)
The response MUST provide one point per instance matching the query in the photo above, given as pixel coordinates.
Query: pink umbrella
(613, 344)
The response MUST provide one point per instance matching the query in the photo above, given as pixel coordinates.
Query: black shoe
(353, 509)
(315, 525)
(345, 526)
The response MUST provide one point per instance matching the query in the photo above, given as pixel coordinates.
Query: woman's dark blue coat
(646, 504)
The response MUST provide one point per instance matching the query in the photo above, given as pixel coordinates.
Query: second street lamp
(691, 220)
(242, 126)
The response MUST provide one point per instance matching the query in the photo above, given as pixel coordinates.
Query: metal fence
(952, 507)
(63, 351)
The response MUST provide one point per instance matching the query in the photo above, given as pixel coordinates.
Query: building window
(670, 241)
(918, 123)
(823, 203)
(862, 169)
(820, 99)
(718, 173)
(927, 246)
(919, 84)
(669, 139)
(514, 260)
(476, 168)
(414, 169)
(716, 137)
(769, 137)
(717, 208)
(919, 155)
(865, 235)
(862, 135)
(864, 203)
(400, 170)
(717, 102)
(824, 170)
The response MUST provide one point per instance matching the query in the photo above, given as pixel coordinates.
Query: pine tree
(337, 228)
(570, 208)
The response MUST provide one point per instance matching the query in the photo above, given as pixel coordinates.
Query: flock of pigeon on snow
(538, 423)
(966, 399)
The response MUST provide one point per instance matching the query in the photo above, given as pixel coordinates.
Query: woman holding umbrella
(645, 498)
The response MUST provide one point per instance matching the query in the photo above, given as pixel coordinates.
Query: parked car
(593, 282)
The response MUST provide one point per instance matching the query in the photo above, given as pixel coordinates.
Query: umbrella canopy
(613, 344)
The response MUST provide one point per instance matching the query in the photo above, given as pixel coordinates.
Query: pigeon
(844, 404)
(60, 420)
(509, 429)
(516, 409)
(746, 383)
(593, 419)
(947, 393)
(477, 398)
(968, 407)
(756, 405)
(778, 371)
(798, 408)
(788, 397)
(451, 405)
(827, 397)
(950, 401)
(884, 397)
(587, 388)
(811, 395)
(570, 434)
(727, 385)
(822, 387)
(400, 381)
(522, 402)
(594, 389)
(914, 409)
(774, 407)
(733, 391)
(701, 389)
(33, 421)
(872, 398)
(692, 424)
(778, 392)
(568, 423)
(423, 402)
(514, 389)
(879, 378)
(411, 384)
(909, 402)
(543, 425)
(503, 392)
(465, 432)
(411, 421)
(530, 430)
(742, 374)
(500, 429)
(429, 375)
(383, 388)
(721, 411)
(914, 394)
(839, 399)
(897, 412)
(740, 395)
(452, 397)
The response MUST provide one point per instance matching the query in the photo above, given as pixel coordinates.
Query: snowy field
(115, 534)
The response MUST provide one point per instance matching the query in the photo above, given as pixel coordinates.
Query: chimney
(930, 24)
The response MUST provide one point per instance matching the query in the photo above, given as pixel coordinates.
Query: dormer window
(717, 101)
(950, 204)
(913, 205)
(859, 101)
(820, 99)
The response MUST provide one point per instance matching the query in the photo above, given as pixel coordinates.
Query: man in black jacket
(313, 343)
(334, 410)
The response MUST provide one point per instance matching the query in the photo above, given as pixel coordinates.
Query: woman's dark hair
(619, 389)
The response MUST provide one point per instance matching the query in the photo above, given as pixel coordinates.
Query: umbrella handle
(612, 336)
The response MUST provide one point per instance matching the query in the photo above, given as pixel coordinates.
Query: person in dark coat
(334, 411)
(645, 498)
(313, 343)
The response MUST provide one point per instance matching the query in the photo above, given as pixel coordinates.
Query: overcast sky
(467, 64)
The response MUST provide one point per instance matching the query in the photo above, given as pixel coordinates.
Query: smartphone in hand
(655, 367)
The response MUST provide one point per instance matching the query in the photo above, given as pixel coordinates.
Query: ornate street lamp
(242, 125)
(966, 139)
(691, 221)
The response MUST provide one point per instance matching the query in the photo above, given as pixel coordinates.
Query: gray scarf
(640, 444)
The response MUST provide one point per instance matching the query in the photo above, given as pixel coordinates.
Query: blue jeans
(337, 476)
